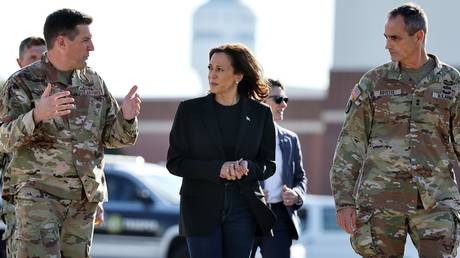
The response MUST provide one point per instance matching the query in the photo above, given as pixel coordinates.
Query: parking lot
(141, 218)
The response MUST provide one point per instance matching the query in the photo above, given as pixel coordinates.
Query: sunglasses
(279, 99)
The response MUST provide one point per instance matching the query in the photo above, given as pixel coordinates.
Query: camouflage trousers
(9, 219)
(51, 227)
(383, 233)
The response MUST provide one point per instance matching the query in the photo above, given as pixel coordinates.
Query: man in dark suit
(285, 190)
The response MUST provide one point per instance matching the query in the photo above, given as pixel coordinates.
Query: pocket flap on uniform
(362, 240)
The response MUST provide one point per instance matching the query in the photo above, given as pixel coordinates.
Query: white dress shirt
(274, 184)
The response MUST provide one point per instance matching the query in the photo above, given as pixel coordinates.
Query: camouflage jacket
(5, 159)
(62, 156)
(399, 139)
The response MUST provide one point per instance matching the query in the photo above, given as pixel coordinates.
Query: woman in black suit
(222, 145)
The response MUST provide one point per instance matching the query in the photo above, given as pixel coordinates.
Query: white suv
(321, 235)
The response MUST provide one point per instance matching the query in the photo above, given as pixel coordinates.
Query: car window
(121, 188)
(329, 222)
(303, 216)
(165, 186)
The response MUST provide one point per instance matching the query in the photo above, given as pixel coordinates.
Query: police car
(141, 217)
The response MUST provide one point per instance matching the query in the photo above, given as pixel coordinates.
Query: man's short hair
(28, 42)
(64, 22)
(414, 17)
(274, 83)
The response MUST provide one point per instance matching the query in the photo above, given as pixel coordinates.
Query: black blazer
(196, 154)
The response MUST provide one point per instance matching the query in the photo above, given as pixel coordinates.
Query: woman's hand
(233, 170)
(242, 167)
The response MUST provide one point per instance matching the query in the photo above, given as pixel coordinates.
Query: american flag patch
(355, 93)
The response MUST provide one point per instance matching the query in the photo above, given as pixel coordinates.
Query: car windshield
(165, 185)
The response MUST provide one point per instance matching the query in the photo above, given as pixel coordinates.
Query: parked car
(321, 235)
(142, 215)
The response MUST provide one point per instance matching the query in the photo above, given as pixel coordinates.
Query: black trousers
(278, 246)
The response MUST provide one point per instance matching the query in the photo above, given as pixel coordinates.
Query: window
(121, 189)
(329, 222)
(303, 216)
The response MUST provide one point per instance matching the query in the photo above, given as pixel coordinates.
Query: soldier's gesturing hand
(131, 105)
(56, 105)
(346, 218)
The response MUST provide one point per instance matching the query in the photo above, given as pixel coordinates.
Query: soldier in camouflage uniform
(58, 116)
(30, 50)
(392, 172)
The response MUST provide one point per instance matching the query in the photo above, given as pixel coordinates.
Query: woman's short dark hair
(243, 62)
(414, 17)
(64, 22)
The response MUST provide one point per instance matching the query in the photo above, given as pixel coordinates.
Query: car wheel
(180, 252)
